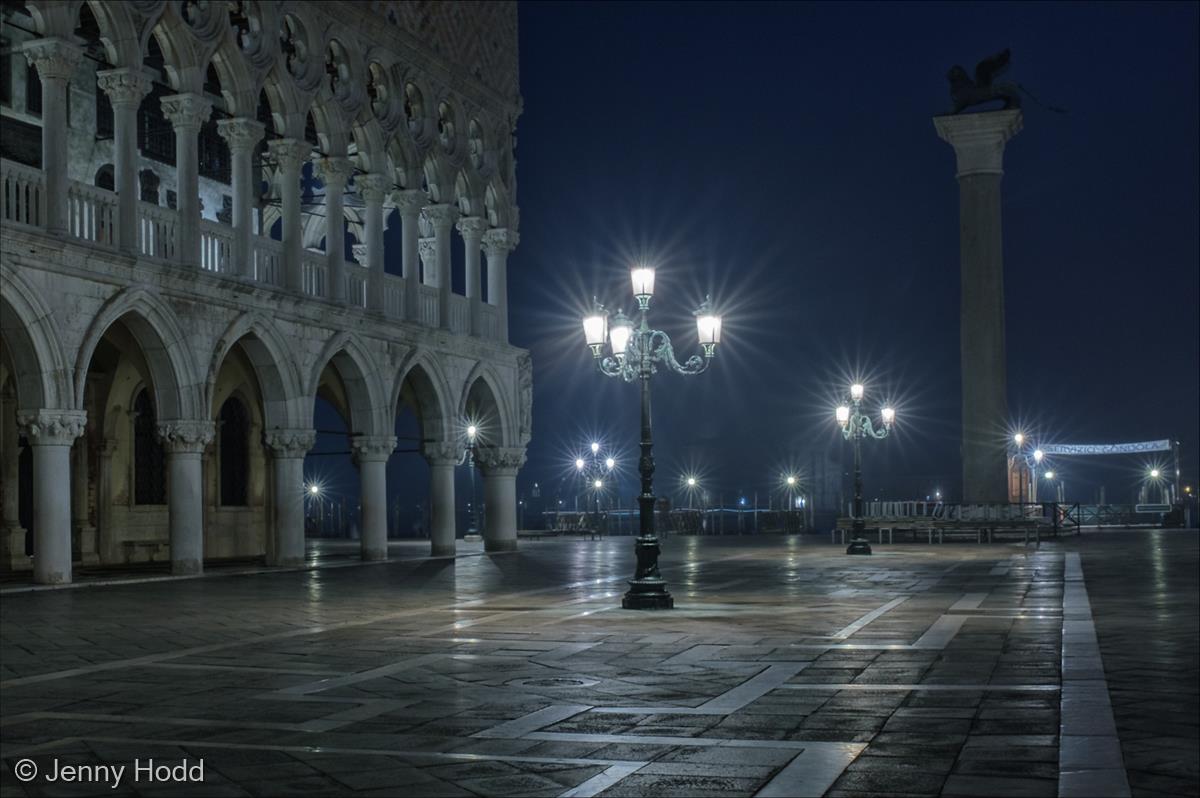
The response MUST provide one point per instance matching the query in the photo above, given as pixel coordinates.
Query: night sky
(782, 157)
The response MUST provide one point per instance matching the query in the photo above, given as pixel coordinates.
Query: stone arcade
(173, 175)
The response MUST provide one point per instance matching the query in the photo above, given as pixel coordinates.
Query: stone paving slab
(787, 668)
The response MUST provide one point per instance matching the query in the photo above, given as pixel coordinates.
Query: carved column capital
(184, 436)
(440, 216)
(373, 447)
(373, 187)
(334, 170)
(409, 201)
(125, 87)
(186, 112)
(51, 427)
(241, 134)
(978, 139)
(500, 461)
(53, 58)
(442, 453)
(499, 241)
(472, 228)
(290, 154)
(427, 249)
(289, 443)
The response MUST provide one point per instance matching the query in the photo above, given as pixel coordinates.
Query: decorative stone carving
(290, 154)
(124, 87)
(186, 112)
(442, 453)
(410, 201)
(427, 249)
(525, 385)
(373, 187)
(440, 216)
(373, 447)
(978, 139)
(500, 460)
(52, 427)
(186, 435)
(498, 241)
(54, 59)
(289, 443)
(360, 254)
(472, 228)
(334, 170)
(241, 134)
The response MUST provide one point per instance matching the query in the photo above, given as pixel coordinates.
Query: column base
(12, 550)
(186, 567)
(496, 546)
(648, 594)
(374, 555)
(442, 550)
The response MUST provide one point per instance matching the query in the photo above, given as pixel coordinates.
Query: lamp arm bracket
(661, 351)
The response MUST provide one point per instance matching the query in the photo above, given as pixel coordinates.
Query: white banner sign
(1108, 448)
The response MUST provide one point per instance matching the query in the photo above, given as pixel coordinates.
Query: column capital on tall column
(369, 448)
(500, 461)
(442, 453)
(440, 216)
(500, 240)
(290, 153)
(472, 228)
(427, 249)
(53, 58)
(334, 170)
(126, 86)
(187, 111)
(409, 201)
(51, 427)
(293, 443)
(184, 436)
(373, 187)
(241, 133)
(978, 139)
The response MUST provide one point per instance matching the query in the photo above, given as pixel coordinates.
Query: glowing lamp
(889, 415)
(598, 484)
(1049, 475)
(1154, 473)
(314, 489)
(472, 431)
(1038, 454)
(791, 481)
(595, 328)
(691, 482)
(610, 464)
(619, 333)
(579, 463)
(843, 415)
(856, 392)
(595, 447)
(643, 281)
(1019, 439)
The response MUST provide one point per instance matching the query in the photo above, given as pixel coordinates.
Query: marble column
(242, 135)
(441, 219)
(184, 442)
(409, 203)
(372, 452)
(500, 467)
(978, 140)
(125, 89)
(55, 61)
(373, 189)
(51, 433)
(496, 245)
(471, 229)
(427, 250)
(104, 525)
(442, 458)
(187, 113)
(12, 534)
(288, 447)
(334, 172)
(290, 155)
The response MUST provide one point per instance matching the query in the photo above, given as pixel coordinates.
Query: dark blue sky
(782, 157)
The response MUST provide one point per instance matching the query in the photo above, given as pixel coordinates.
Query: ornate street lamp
(636, 354)
(592, 474)
(856, 425)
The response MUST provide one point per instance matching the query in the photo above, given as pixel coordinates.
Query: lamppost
(792, 482)
(1031, 463)
(593, 473)
(472, 434)
(1056, 484)
(856, 425)
(636, 354)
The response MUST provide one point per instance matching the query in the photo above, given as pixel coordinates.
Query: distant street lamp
(472, 434)
(592, 473)
(635, 353)
(1030, 462)
(856, 425)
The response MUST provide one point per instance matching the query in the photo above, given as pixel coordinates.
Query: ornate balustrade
(490, 320)
(356, 285)
(22, 190)
(428, 305)
(460, 314)
(216, 246)
(393, 296)
(314, 273)
(157, 233)
(268, 261)
(92, 214)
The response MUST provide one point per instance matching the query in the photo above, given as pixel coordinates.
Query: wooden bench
(152, 549)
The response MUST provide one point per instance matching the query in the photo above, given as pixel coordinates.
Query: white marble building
(172, 176)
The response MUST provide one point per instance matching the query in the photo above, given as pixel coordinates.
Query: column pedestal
(978, 141)
(184, 442)
(288, 448)
(372, 452)
(51, 433)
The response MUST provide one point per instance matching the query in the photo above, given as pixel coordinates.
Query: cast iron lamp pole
(856, 425)
(472, 432)
(636, 354)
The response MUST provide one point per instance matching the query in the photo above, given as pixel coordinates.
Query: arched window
(105, 178)
(149, 462)
(235, 451)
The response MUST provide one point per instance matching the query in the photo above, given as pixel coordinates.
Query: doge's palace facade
(215, 212)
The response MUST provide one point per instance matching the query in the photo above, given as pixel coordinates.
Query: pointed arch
(42, 376)
(354, 365)
(431, 391)
(164, 344)
(484, 374)
(276, 371)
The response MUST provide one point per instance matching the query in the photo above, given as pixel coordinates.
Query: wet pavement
(788, 668)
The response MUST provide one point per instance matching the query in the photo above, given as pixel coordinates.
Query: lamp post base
(647, 594)
(858, 546)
